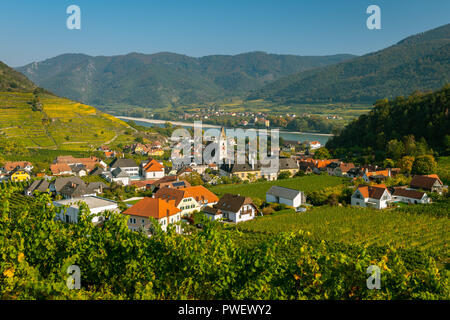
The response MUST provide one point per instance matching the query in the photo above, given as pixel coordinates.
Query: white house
(314, 145)
(234, 208)
(165, 212)
(290, 197)
(189, 199)
(118, 175)
(96, 205)
(152, 169)
(410, 196)
(126, 165)
(377, 197)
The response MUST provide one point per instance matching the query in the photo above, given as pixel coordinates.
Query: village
(174, 194)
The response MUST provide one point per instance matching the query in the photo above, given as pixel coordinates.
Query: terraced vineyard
(259, 189)
(348, 225)
(59, 124)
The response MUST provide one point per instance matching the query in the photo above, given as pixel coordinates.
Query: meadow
(258, 190)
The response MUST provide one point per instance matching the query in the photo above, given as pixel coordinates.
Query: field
(259, 189)
(357, 226)
(61, 124)
(443, 169)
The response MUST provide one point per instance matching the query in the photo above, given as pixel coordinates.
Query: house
(188, 199)
(19, 175)
(40, 186)
(70, 208)
(288, 165)
(314, 145)
(152, 169)
(73, 190)
(59, 183)
(142, 185)
(306, 166)
(60, 169)
(410, 196)
(89, 163)
(290, 197)
(234, 208)
(128, 166)
(74, 187)
(10, 166)
(339, 168)
(377, 196)
(377, 175)
(79, 170)
(246, 171)
(118, 176)
(165, 212)
(427, 182)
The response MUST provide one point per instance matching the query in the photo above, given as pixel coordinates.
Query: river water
(286, 135)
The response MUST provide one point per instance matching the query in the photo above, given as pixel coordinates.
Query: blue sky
(32, 30)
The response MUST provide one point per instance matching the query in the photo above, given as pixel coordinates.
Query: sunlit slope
(56, 123)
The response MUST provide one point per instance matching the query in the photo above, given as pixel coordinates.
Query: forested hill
(11, 80)
(423, 115)
(419, 62)
(162, 79)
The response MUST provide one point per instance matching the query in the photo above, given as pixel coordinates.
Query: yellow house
(20, 175)
(156, 152)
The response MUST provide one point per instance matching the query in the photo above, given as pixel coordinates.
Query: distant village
(171, 194)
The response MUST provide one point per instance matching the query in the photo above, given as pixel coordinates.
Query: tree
(322, 153)
(284, 175)
(424, 165)
(405, 164)
(395, 149)
(388, 163)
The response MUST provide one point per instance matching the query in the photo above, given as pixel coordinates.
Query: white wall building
(290, 197)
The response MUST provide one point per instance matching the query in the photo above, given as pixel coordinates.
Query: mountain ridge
(418, 62)
(164, 78)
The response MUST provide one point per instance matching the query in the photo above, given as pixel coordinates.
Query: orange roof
(9, 166)
(200, 193)
(153, 166)
(378, 173)
(374, 192)
(58, 168)
(142, 183)
(153, 207)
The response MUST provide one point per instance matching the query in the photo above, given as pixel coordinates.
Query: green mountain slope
(424, 115)
(35, 118)
(11, 80)
(420, 62)
(164, 78)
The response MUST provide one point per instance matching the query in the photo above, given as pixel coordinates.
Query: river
(286, 135)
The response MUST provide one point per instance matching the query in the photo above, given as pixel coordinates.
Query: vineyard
(413, 228)
(212, 263)
(258, 190)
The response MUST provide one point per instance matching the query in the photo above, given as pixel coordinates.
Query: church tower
(223, 151)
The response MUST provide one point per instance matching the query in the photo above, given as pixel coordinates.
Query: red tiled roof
(153, 207)
(153, 166)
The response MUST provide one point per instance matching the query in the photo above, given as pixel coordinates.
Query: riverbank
(206, 125)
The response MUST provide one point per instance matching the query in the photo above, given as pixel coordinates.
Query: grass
(350, 225)
(258, 190)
